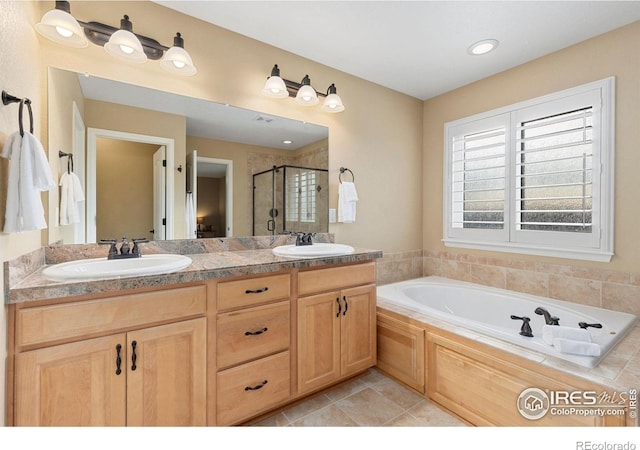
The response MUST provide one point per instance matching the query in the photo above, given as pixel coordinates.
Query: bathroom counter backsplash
(211, 258)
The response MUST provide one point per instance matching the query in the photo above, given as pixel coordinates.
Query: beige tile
(277, 420)
(432, 267)
(429, 414)
(527, 281)
(330, 416)
(307, 407)
(576, 290)
(635, 279)
(456, 270)
(406, 420)
(599, 274)
(346, 389)
(398, 394)
(373, 376)
(621, 297)
(488, 275)
(369, 408)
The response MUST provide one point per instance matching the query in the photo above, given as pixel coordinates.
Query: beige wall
(20, 76)
(232, 69)
(612, 54)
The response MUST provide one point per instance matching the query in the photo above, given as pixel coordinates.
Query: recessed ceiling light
(482, 47)
(287, 141)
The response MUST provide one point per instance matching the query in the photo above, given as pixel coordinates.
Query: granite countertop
(204, 266)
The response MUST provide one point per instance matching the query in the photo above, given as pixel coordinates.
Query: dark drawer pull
(255, 388)
(346, 305)
(256, 333)
(134, 357)
(256, 291)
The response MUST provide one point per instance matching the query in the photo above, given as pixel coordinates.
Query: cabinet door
(166, 375)
(319, 318)
(72, 384)
(358, 329)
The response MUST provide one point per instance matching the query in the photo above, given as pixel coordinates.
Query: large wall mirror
(164, 166)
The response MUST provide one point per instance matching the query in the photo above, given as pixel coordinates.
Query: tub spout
(548, 318)
(525, 330)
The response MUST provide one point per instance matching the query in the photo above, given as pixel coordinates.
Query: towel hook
(343, 170)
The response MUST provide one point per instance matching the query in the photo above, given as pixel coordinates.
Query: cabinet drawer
(320, 280)
(89, 318)
(246, 390)
(252, 333)
(253, 291)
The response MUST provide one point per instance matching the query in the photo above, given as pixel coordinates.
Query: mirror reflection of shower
(290, 199)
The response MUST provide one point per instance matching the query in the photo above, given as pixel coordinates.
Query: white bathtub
(488, 311)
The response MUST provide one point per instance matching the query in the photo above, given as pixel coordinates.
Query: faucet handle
(525, 330)
(136, 248)
(112, 250)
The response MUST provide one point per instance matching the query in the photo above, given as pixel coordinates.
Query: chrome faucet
(125, 249)
(548, 318)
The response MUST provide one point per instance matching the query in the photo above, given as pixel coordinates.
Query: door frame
(92, 136)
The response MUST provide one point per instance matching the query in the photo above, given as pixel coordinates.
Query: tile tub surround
(619, 291)
(212, 258)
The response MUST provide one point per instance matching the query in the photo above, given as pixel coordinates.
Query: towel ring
(343, 170)
(28, 103)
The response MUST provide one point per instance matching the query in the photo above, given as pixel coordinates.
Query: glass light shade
(307, 96)
(61, 27)
(125, 45)
(275, 88)
(333, 104)
(177, 60)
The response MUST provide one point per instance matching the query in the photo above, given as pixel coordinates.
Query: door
(73, 384)
(192, 195)
(166, 375)
(358, 329)
(319, 319)
(159, 193)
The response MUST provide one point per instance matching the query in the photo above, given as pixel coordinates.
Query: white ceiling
(415, 47)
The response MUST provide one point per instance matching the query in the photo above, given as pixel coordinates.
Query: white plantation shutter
(536, 177)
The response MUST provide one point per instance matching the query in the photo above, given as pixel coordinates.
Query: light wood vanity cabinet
(135, 372)
(336, 325)
(252, 346)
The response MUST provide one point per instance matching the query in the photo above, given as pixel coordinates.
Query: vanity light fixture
(304, 93)
(123, 44)
(61, 27)
(482, 47)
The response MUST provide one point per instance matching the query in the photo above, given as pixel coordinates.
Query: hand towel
(190, 213)
(576, 347)
(347, 201)
(70, 195)
(29, 173)
(550, 332)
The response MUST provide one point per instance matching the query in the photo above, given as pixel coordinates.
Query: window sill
(584, 255)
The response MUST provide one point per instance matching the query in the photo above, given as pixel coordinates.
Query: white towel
(190, 213)
(29, 174)
(576, 347)
(550, 332)
(347, 201)
(70, 195)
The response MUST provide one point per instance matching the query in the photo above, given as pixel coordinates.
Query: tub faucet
(548, 318)
(525, 330)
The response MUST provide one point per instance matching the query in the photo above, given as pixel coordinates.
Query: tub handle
(525, 330)
(585, 325)
(339, 306)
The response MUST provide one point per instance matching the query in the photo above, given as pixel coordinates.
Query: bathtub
(488, 311)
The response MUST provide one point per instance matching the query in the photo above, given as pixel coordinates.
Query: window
(535, 177)
(301, 196)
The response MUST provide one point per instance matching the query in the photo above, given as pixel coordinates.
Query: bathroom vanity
(231, 337)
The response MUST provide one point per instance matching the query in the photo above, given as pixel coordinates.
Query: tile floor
(372, 400)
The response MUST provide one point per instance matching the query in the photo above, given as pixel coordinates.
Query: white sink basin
(112, 268)
(318, 250)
